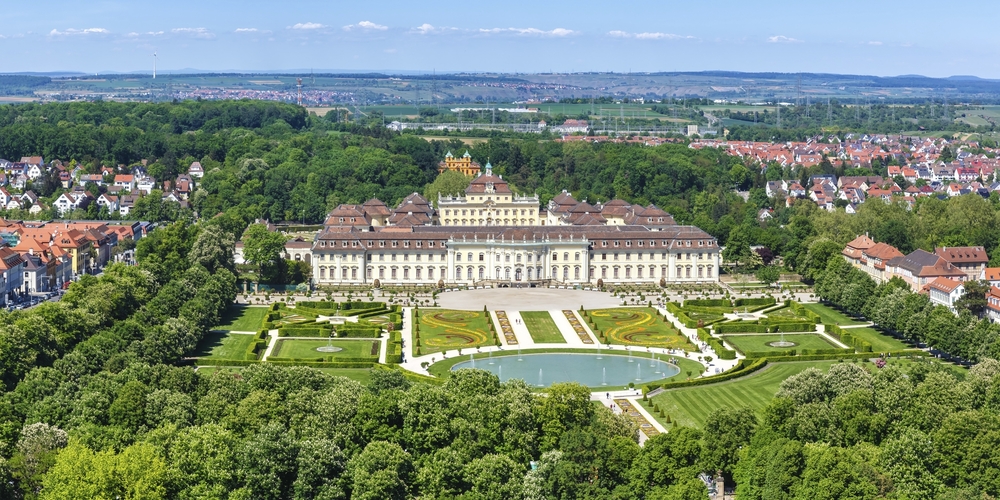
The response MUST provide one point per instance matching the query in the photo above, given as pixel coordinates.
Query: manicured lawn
(879, 342)
(242, 319)
(638, 326)
(222, 345)
(758, 343)
(448, 329)
(305, 349)
(831, 316)
(541, 327)
(690, 406)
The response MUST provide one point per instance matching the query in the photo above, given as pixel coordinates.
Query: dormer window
(394, 244)
(381, 243)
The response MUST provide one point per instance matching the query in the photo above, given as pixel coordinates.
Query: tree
(213, 249)
(261, 247)
(566, 406)
(136, 473)
(726, 431)
(768, 275)
(447, 183)
(737, 248)
(381, 471)
(974, 298)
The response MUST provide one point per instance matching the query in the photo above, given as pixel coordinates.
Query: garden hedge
(708, 303)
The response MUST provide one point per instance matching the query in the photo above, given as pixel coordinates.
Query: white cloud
(74, 31)
(782, 39)
(246, 30)
(366, 25)
(528, 31)
(148, 33)
(195, 32)
(649, 36)
(874, 42)
(427, 29)
(307, 26)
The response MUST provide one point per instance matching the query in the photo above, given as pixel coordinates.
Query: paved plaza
(526, 299)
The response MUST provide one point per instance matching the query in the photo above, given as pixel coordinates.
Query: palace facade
(489, 201)
(541, 255)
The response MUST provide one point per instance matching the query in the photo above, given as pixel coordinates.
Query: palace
(490, 235)
(465, 165)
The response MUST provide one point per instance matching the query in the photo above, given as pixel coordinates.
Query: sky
(883, 37)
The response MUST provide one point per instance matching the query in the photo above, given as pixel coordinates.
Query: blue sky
(849, 36)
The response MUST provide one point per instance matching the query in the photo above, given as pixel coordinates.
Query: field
(637, 326)
(691, 406)
(447, 329)
(242, 319)
(879, 342)
(222, 345)
(831, 316)
(541, 327)
(306, 349)
(759, 343)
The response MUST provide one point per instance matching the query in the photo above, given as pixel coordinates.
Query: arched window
(576, 272)
(458, 256)
(482, 272)
(555, 256)
(458, 273)
(576, 256)
(519, 257)
(470, 256)
(565, 273)
(555, 272)
(468, 274)
(506, 273)
(430, 273)
(322, 273)
(565, 255)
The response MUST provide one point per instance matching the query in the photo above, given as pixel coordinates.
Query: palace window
(406, 273)
(458, 257)
(566, 273)
(616, 272)
(394, 243)
(406, 244)
(394, 272)
(576, 256)
(469, 257)
(628, 271)
(458, 273)
(638, 272)
(430, 273)
(381, 273)
(369, 273)
(482, 257)
(354, 273)
(343, 273)
(604, 272)
(576, 272)
(469, 274)
(555, 256)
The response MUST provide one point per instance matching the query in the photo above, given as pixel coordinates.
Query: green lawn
(758, 343)
(831, 316)
(242, 319)
(691, 406)
(447, 329)
(222, 345)
(879, 342)
(305, 349)
(541, 327)
(641, 326)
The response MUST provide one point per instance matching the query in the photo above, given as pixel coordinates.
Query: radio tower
(300, 91)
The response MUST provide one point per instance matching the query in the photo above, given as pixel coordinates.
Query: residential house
(920, 268)
(126, 203)
(875, 261)
(991, 275)
(145, 184)
(196, 170)
(95, 178)
(67, 202)
(125, 181)
(29, 198)
(184, 185)
(108, 200)
(971, 260)
(853, 252)
(945, 292)
(993, 304)
(12, 270)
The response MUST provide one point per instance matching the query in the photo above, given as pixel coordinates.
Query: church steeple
(489, 168)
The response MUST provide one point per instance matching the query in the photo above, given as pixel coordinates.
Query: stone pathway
(566, 329)
(271, 342)
(520, 330)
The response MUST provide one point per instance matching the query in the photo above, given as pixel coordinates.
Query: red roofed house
(971, 260)
(945, 292)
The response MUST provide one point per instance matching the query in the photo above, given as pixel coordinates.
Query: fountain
(540, 378)
(586, 369)
(599, 351)
(657, 365)
(473, 360)
(782, 342)
(329, 347)
(604, 376)
(629, 354)
(491, 357)
(638, 372)
(519, 353)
